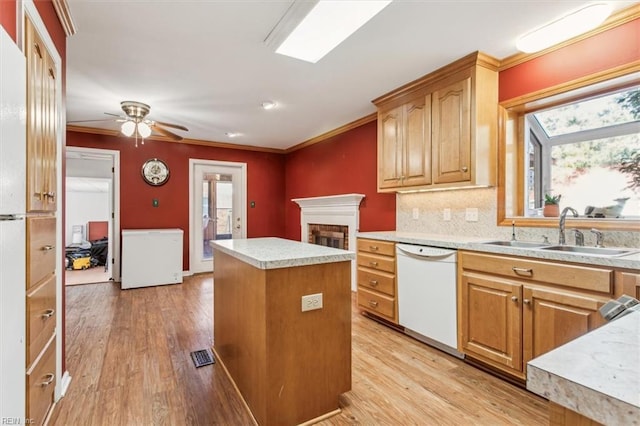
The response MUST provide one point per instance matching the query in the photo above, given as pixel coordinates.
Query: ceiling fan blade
(166, 133)
(174, 126)
(87, 121)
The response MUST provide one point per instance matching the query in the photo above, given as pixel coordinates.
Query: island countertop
(273, 253)
(595, 375)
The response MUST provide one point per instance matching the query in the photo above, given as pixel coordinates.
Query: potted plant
(551, 205)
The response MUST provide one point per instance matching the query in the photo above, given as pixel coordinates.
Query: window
(580, 140)
(576, 150)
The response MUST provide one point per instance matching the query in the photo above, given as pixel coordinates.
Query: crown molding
(335, 132)
(64, 15)
(619, 18)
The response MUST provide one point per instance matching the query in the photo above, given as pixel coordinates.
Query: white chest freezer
(151, 257)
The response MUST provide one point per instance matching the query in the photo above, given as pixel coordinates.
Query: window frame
(512, 145)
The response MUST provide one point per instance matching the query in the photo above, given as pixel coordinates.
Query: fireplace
(323, 219)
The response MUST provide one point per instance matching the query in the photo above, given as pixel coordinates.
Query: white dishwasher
(427, 307)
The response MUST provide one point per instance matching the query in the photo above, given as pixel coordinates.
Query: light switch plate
(446, 215)
(416, 213)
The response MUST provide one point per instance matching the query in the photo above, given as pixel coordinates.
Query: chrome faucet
(599, 237)
(579, 237)
(561, 238)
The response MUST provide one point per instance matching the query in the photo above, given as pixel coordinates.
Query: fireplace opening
(336, 236)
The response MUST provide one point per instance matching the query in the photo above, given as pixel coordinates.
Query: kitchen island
(594, 378)
(288, 355)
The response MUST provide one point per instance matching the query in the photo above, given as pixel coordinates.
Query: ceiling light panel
(564, 28)
(327, 25)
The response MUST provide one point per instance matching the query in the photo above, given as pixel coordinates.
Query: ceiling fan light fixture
(128, 128)
(144, 130)
(569, 26)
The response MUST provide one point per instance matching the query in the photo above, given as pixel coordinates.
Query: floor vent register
(202, 357)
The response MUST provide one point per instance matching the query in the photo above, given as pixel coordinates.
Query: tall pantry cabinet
(41, 226)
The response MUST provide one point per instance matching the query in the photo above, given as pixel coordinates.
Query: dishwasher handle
(424, 252)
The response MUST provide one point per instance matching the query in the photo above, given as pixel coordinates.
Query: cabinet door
(451, 114)
(628, 283)
(417, 142)
(555, 317)
(490, 320)
(41, 124)
(390, 148)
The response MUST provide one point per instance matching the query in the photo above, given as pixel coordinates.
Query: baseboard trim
(64, 383)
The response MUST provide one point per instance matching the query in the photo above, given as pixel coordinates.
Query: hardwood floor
(128, 353)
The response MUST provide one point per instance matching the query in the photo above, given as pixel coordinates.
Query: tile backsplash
(430, 220)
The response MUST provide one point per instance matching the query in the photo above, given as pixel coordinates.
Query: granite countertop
(273, 253)
(596, 375)
(630, 261)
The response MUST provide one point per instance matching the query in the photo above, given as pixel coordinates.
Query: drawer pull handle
(48, 379)
(526, 301)
(514, 298)
(47, 248)
(465, 168)
(527, 272)
(374, 248)
(373, 282)
(373, 303)
(48, 313)
(373, 263)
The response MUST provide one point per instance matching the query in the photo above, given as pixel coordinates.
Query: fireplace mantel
(343, 209)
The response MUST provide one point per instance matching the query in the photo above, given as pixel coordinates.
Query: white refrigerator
(13, 125)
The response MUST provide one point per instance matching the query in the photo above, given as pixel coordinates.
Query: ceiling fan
(135, 122)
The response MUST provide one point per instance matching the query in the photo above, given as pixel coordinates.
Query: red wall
(265, 184)
(8, 17)
(344, 164)
(609, 49)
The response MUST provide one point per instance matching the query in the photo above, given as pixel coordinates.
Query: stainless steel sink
(598, 251)
(521, 244)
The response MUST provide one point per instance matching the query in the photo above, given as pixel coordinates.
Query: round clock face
(155, 172)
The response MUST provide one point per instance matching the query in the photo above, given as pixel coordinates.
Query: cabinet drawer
(385, 248)
(580, 277)
(377, 303)
(41, 253)
(383, 282)
(374, 261)
(41, 317)
(40, 385)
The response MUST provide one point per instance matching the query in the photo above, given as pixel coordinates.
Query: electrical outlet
(416, 213)
(446, 215)
(311, 302)
(471, 215)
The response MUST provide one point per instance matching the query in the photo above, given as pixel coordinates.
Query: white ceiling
(203, 63)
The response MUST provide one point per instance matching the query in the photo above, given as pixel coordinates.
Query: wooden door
(554, 317)
(417, 142)
(42, 117)
(390, 148)
(490, 320)
(451, 128)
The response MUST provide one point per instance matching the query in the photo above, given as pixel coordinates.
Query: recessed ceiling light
(309, 34)
(233, 134)
(268, 104)
(562, 29)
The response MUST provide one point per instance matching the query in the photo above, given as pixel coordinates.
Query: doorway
(92, 211)
(217, 208)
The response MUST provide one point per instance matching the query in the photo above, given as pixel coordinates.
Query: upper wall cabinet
(42, 116)
(440, 131)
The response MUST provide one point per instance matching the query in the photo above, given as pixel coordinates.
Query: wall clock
(155, 172)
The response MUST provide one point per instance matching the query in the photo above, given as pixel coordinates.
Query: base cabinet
(377, 278)
(510, 312)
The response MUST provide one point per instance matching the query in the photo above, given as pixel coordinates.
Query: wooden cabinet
(512, 310)
(42, 127)
(628, 283)
(404, 144)
(441, 130)
(41, 383)
(377, 278)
